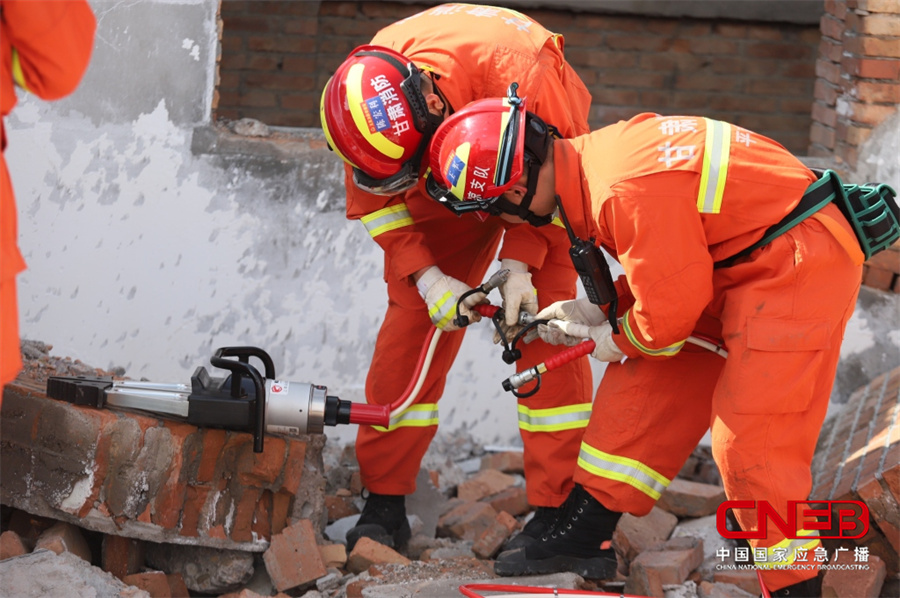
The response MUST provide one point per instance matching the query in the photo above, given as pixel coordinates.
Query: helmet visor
(509, 142)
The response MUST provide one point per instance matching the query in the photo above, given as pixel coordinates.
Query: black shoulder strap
(817, 195)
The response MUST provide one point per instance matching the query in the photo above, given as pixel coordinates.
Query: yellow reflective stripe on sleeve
(554, 419)
(355, 101)
(716, 153)
(415, 416)
(787, 551)
(631, 472)
(443, 310)
(17, 73)
(386, 219)
(632, 338)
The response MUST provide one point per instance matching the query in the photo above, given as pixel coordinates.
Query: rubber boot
(578, 543)
(384, 520)
(808, 588)
(541, 522)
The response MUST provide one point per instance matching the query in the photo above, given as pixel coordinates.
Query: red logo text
(846, 519)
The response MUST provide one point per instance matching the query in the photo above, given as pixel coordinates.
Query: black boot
(573, 544)
(808, 588)
(541, 522)
(384, 520)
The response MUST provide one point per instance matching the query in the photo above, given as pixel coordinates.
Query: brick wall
(857, 88)
(131, 475)
(277, 57)
(858, 458)
(857, 75)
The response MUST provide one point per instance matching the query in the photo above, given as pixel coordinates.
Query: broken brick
(65, 537)
(466, 521)
(367, 552)
(488, 543)
(485, 483)
(691, 499)
(293, 558)
(11, 545)
(860, 583)
(633, 534)
(668, 563)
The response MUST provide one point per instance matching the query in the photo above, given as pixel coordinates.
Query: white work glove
(518, 295)
(441, 294)
(580, 311)
(573, 321)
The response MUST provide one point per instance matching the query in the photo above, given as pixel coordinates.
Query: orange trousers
(10, 354)
(465, 248)
(782, 315)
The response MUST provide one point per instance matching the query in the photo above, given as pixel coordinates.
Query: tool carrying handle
(240, 368)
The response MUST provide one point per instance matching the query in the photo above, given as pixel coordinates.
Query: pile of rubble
(469, 500)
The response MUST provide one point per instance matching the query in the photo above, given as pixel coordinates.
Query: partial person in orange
(45, 46)
(674, 199)
(378, 113)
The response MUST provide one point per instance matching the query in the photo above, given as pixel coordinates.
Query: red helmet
(374, 116)
(478, 154)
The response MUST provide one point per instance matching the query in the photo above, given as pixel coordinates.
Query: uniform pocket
(779, 366)
(765, 334)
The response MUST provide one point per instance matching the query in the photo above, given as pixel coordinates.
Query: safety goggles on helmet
(478, 154)
(375, 118)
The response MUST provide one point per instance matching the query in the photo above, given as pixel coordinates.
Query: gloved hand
(441, 294)
(571, 333)
(518, 295)
(580, 311)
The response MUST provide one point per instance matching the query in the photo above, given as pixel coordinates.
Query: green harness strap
(870, 209)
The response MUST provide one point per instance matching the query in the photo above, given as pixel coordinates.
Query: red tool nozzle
(486, 309)
(375, 415)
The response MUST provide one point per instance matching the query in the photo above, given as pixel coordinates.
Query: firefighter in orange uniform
(378, 112)
(44, 49)
(670, 197)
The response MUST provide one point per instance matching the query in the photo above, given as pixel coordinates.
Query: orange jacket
(44, 48)
(636, 187)
(475, 52)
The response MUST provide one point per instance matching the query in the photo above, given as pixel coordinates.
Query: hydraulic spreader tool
(243, 400)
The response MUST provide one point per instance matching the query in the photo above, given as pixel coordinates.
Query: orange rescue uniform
(669, 196)
(472, 52)
(45, 47)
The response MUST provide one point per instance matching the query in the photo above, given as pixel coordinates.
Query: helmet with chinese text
(375, 118)
(477, 154)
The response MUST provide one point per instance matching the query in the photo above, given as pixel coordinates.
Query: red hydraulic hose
(486, 309)
(419, 362)
(380, 415)
(564, 357)
(471, 591)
